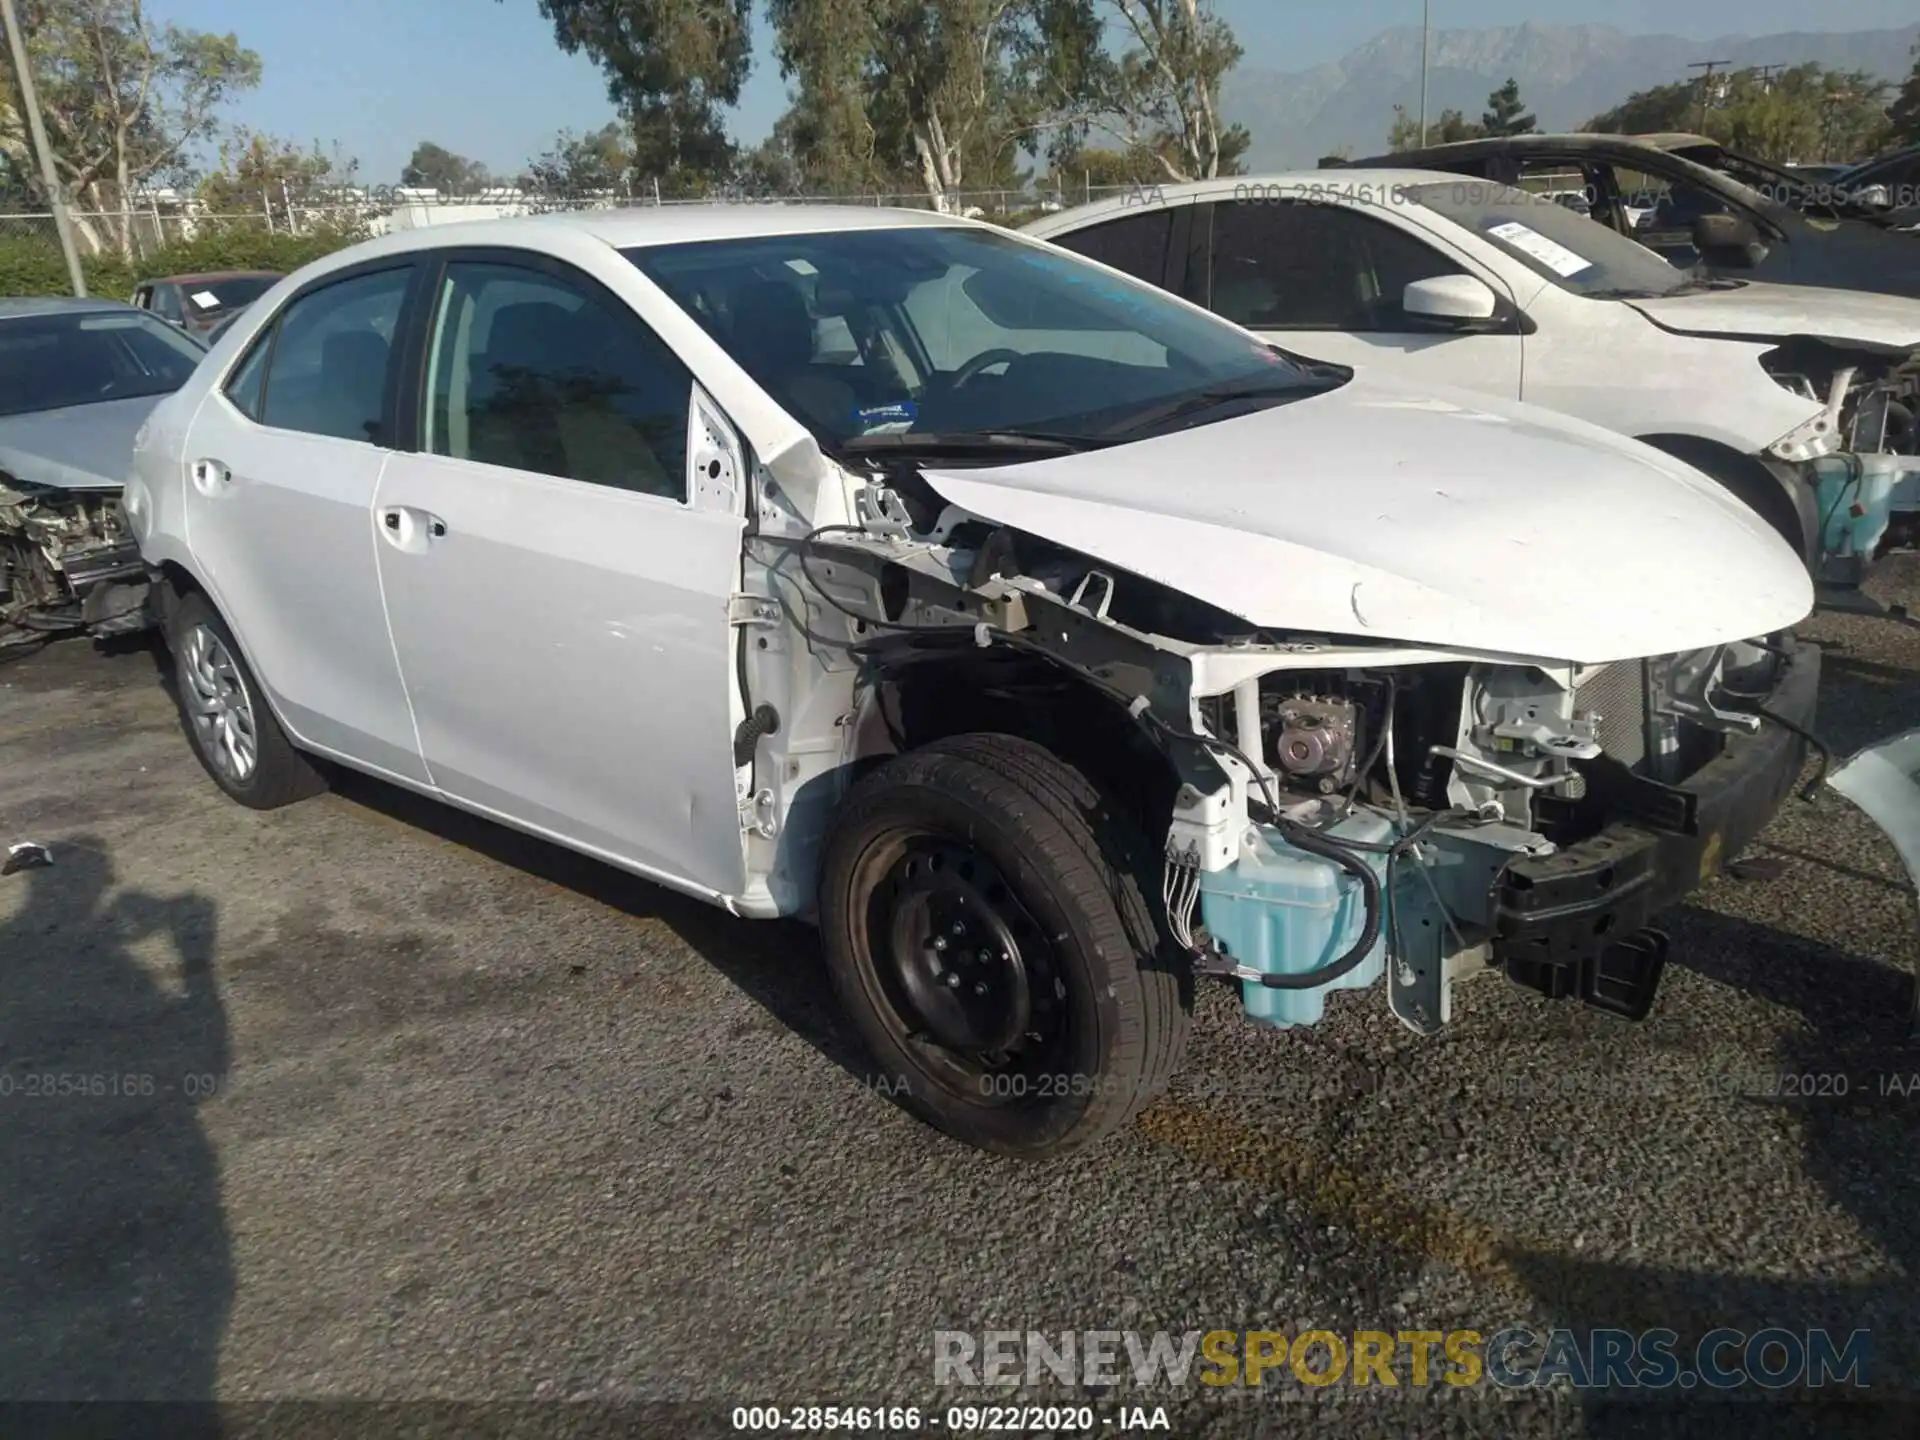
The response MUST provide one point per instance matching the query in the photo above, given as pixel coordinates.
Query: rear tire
(986, 928)
(228, 721)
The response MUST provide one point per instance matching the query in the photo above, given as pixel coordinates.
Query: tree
(581, 167)
(1664, 108)
(1506, 112)
(1903, 116)
(124, 102)
(672, 66)
(936, 93)
(1804, 113)
(1165, 87)
(1450, 128)
(264, 175)
(434, 167)
(1086, 170)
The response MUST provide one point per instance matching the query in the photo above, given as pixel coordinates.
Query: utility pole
(30, 102)
(1707, 67)
(1425, 45)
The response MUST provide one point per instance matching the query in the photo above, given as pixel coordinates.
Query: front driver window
(1297, 265)
(532, 372)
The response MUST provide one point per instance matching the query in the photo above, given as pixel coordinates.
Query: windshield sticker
(205, 299)
(802, 267)
(884, 419)
(1550, 253)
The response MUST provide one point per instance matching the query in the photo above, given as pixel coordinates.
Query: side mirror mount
(1728, 240)
(1454, 302)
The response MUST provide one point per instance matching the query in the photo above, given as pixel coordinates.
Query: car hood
(82, 447)
(1757, 309)
(1446, 520)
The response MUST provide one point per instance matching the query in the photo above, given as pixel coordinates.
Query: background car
(198, 303)
(1501, 291)
(77, 380)
(1686, 212)
(1887, 188)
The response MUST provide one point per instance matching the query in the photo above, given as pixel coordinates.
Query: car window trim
(1511, 319)
(422, 313)
(269, 335)
(1179, 236)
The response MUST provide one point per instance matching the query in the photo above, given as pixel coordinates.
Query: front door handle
(408, 529)
(210, 475)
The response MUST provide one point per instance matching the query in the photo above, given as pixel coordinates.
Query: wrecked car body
(1686, 212)
(1530, 814)
(77, 380)
(1046, 641)
(67, 563)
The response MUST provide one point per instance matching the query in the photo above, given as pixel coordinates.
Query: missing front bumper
(1576, 923)
(67, 565)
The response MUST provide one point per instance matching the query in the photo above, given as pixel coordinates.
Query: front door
(1326, 281)
(557, 591)
(282, 463)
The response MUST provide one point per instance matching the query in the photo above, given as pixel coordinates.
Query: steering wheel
(985, 360)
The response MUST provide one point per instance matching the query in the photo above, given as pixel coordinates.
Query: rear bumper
(1556, 916)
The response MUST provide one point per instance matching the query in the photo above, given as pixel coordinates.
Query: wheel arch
(178, 582)
(923, 697)
(1771, 489)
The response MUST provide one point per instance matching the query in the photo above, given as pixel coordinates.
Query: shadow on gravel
(116, 1270)
(776, 963)
(1843, 1070)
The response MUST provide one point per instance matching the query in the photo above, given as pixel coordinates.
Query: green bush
(33, 265)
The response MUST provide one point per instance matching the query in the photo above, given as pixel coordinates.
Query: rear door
(283, 460)
(556, 585)
(1323, 279)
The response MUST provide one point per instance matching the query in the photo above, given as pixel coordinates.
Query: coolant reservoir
(1283, 911)
(1854, 513)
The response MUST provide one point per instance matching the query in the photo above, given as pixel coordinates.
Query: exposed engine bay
(68, 563)
(1862, 451)
(1337, 810)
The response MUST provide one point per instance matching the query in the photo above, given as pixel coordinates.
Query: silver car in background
(77, 378)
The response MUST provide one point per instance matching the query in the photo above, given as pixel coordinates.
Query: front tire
(987, 930)
(228, 721)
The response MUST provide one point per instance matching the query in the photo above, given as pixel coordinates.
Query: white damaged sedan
(1047, 641)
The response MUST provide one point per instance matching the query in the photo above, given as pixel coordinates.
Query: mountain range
(1567, 74)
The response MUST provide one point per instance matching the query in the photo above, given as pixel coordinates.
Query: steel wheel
(218, 705)
(970, 981)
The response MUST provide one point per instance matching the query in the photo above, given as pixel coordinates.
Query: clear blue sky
(484, 78)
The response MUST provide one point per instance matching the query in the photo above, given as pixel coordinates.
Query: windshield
(1575, 253)
(48, 362)
(210, 297)
(931, 330)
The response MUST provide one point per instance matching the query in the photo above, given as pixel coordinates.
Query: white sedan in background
(1792, 397)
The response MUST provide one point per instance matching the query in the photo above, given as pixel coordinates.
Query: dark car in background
(77, 379)
(1887, 187)
(1648, 188)
(197, 303)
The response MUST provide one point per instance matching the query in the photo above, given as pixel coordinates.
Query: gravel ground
(414, 1108)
